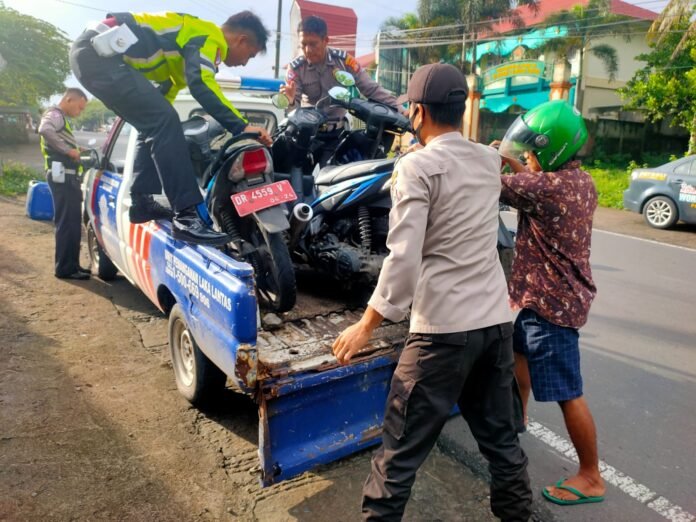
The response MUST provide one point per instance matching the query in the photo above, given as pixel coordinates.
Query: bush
(610, 184)
(15, 178)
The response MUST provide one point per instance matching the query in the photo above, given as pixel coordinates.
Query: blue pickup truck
(311, 410)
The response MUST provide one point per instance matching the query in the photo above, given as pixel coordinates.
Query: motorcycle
(243, 200)
(339, 227)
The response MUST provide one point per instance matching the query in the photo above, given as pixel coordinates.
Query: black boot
(144, 208)
(188, 226)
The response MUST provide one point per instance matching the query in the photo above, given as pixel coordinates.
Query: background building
(342, 24)
(515, 74)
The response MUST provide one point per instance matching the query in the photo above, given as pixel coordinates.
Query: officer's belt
(72, 172)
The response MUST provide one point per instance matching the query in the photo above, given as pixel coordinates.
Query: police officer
(164, 53)
(310, 76)
(443, 265)
(62, 163)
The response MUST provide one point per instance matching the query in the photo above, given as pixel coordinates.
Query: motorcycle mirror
(344, 78)
(340, 94)
(280, 100)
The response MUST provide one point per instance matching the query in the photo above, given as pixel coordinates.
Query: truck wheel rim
(659, 212)
(93, 247)
(186, 366)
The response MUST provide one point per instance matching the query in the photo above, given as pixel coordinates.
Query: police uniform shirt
(313, 81)
(56, 137)
(443, 232)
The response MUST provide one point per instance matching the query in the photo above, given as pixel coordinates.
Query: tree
(94, 116)
(665, 89)
(480, 19)
(586, 24)
(36, 56)
(672, 16)
(453, 22)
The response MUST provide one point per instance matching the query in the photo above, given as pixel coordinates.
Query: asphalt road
(639, 368)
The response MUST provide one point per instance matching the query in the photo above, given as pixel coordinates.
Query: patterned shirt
(551, 271)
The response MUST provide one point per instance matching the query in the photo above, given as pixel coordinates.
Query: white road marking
(644, 240)
(611, 475)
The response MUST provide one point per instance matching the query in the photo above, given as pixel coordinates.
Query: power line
(83, 6)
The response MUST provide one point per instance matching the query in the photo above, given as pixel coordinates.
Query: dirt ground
(93, 428)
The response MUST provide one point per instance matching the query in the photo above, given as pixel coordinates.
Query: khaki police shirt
(443, 225)
(313, 81)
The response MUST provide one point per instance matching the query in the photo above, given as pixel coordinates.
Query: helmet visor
(519, 139)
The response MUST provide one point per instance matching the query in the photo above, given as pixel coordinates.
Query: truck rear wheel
(197, 378)
(105, 269)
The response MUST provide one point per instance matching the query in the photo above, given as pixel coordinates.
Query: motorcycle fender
(272, 220)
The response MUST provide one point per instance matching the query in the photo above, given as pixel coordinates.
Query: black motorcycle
(243, 200)
(339, 227)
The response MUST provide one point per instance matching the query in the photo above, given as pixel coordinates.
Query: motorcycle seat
(335, 174)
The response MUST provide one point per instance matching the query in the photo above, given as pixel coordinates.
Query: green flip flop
(582, 498)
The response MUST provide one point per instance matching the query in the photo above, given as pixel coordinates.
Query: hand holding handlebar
(263, 137)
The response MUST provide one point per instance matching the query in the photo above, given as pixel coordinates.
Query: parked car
(664, 194)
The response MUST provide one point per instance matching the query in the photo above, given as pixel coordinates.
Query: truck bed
(303, 341)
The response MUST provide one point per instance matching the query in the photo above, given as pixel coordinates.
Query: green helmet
(554, 131)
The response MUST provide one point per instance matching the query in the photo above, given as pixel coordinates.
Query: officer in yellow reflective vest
(62, 162)
(136, 64)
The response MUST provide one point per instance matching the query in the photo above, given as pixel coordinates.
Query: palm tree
(481, 17)
(672, 17)
(453, 21)
(586, 24)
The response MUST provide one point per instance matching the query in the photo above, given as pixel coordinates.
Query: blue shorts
(553, 357)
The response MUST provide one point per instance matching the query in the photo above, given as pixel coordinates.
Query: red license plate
(266, 196)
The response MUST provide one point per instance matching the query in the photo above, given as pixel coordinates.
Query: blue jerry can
(39, 201)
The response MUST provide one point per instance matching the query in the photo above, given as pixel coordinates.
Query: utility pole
(379, 36)
(278, 26)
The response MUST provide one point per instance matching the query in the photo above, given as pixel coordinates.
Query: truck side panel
(215, 292)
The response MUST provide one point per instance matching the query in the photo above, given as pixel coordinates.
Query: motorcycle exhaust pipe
(301, 215)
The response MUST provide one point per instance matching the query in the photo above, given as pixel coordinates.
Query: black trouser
(474, 370)
(67, 209)
(162, 156)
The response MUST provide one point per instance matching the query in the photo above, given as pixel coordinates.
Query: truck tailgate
(313, 410)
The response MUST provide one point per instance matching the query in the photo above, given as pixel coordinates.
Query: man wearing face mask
(443, 265)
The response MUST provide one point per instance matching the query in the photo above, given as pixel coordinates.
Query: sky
(72, 15)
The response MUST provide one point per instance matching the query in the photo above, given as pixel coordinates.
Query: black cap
(437, 83)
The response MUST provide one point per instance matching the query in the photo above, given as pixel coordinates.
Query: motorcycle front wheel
(275, 274)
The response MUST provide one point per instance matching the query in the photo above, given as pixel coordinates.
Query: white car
(250, 96)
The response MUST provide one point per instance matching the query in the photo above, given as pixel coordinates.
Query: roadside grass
(15, 178)
(610, 183)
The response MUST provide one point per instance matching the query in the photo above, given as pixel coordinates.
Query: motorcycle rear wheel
(275, 275)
